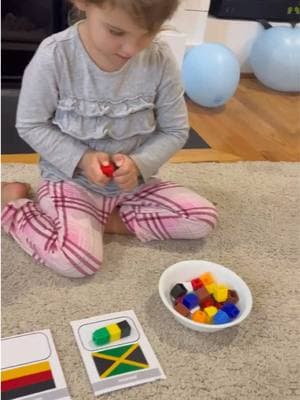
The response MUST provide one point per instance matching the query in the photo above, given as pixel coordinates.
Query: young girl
(103, 90)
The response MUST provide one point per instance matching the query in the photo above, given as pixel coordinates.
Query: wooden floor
(257, 123)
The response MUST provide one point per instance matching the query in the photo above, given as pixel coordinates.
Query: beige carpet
(258, 237)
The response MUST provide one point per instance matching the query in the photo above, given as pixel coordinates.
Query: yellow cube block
(114, 332)
(211, 288)
(207, 278)
(210, 312)
(220, 293)
(199, 316)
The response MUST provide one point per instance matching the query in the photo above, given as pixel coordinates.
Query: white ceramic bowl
(190, 269)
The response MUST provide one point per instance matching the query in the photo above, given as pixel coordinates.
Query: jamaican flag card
(116, 352)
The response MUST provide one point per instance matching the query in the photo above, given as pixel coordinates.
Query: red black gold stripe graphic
(119, 360)
(29, 379)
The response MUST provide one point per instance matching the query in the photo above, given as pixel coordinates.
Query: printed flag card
(30, 368)
(116, 352)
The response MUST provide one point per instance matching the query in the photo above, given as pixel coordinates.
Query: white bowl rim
(200, 325)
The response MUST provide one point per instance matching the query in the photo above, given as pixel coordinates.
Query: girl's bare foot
(116, 225)
(12, 191)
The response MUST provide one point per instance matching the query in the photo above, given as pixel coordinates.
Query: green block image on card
(119, 360)
(101, 337)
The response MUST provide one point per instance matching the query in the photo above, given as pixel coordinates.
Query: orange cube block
(220, 293)
(199, 316)
(207, 278)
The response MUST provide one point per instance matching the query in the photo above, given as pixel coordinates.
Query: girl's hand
(127, 172)
(90, 164)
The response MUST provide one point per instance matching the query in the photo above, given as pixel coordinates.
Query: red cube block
(196, 283)
(209, 302)
(217, 304)
(108, 170)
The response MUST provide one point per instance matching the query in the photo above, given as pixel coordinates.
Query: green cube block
(101, 336)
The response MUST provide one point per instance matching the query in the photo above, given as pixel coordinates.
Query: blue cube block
(190, 300)
(231, 310)
(221, 318)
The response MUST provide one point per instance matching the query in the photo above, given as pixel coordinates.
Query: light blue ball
(275, 58)
(210, 74)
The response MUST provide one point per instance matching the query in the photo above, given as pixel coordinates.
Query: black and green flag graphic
(119, 360)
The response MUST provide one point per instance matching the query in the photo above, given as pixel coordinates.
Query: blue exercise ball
(210, 74)
(275, 58)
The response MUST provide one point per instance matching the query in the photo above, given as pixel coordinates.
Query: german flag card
(30, 368)
(116, 352)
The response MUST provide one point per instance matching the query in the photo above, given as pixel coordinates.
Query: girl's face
(112, 34)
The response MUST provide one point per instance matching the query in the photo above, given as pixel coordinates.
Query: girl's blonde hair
(148, 14)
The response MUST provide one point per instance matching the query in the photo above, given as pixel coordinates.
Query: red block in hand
(108, 170)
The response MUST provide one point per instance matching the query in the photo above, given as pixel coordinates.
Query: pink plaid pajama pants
(63, 228)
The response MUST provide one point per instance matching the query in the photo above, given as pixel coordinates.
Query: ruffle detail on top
(91, 119)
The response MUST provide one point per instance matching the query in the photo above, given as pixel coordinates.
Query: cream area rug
(257, 237)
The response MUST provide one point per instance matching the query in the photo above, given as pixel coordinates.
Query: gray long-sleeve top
(68, 105)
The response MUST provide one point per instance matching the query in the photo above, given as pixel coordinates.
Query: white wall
(191, 25)
(191, 19)
(187, 27)
(237, 35)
